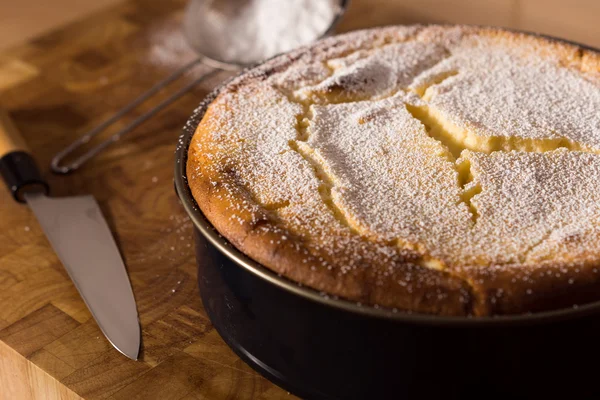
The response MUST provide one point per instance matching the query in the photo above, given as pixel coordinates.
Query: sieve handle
(56, 164)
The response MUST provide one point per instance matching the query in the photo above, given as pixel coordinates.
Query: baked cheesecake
(446, 170)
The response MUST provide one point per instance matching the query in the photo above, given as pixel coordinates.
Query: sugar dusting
(531, 97)
(249, 31)
(364, 180)
(377, 73)
(169, 47)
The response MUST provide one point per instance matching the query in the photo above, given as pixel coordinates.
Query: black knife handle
(17, 166)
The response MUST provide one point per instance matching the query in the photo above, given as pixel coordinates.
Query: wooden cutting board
(65, 82)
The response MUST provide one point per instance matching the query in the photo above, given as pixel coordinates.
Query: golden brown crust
(530, 289)
(257, 230)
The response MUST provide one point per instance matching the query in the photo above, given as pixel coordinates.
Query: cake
(447, 170)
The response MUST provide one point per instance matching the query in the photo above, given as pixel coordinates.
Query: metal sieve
(204, 13)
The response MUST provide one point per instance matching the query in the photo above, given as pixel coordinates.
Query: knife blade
(80, 236)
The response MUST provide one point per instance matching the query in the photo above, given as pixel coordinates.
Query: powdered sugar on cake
(531, 97)
(379, 72)
(333, 143)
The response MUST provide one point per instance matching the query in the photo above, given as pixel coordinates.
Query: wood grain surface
(10, 138)
(61, 84)
(25, 19)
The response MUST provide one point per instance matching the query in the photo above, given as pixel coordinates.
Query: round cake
(446, 170)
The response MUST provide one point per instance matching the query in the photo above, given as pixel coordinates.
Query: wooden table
(65, 82)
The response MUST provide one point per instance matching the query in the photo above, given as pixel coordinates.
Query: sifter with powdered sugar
(226, 34)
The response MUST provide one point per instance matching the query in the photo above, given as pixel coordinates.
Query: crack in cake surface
(421, 90)
(456, 140)
(453, 140)
(327, 182)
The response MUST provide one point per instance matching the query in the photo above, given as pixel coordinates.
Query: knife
(80, 237)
